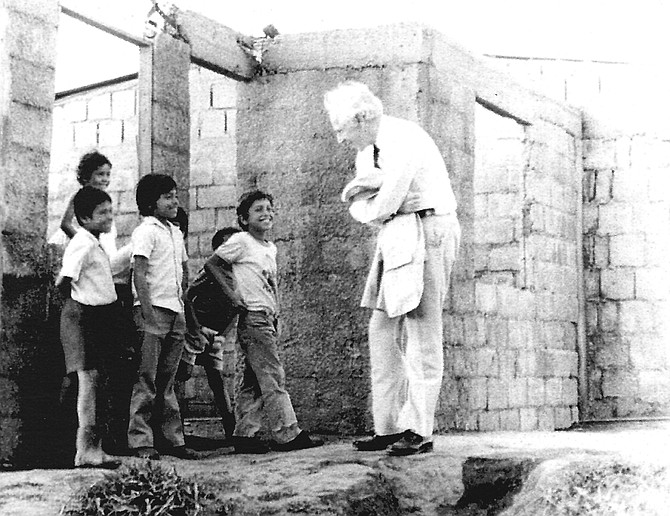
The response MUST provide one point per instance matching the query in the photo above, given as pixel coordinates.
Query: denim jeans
(153, 405)
(263, 385)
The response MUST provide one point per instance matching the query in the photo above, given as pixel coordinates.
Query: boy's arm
(66, 221)
(64, 284)
(213, 266)
(142, 287)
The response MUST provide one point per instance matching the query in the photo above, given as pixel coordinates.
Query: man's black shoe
(250, 445)
(302, 441)
(410, 444)
(377, 442)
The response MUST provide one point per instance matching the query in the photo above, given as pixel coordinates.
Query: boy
(253, 260)
(86, 283)
(204, 345)
(159, 273)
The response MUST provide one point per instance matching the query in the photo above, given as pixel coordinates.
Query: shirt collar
(150, 219)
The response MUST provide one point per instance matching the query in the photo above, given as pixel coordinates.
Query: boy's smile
(100, 177)
(100, 220)
(167, 205)
(261, 216)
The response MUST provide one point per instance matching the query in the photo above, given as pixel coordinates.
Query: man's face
(357, 133)
(166, 205)
(100, 220)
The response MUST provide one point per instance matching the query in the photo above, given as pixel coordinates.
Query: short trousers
(87, 334)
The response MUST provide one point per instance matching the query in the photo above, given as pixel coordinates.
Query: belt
(428, 212)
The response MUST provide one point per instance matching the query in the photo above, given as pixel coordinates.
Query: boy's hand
(184, 371)
(149, 316)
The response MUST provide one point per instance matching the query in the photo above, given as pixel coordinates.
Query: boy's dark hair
(246, 200)
(89, 163)
(86, 200)
(181, 220)
(221, 235)
(149, 189)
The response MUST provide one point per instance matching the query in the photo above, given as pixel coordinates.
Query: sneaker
(410, 444)
(303, 441)
(377, 442)
(249, 445)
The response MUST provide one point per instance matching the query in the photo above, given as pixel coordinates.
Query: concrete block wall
(626, 160)
(105, 119)
(511, 348)
(29, 376)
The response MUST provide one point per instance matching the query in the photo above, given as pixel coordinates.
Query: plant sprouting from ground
(142, 489)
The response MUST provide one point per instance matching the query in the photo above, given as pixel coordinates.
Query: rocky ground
(467, 474)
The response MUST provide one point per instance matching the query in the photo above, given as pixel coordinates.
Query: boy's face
(166, 205)
(100, 220)
(100, 177)
(261, 215)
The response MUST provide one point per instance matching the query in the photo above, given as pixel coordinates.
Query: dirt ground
(335, 479)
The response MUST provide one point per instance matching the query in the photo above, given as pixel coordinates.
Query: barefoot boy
(86, 283)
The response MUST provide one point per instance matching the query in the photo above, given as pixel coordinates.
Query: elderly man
(401, 186)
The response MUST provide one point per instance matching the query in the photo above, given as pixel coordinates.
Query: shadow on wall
(32, 360)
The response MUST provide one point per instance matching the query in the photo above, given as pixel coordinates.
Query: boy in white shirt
(263, 390)
(86, 283)
(159, 276)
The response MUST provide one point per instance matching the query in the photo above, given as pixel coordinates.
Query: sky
(598, 30)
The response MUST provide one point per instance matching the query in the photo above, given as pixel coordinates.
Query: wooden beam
(217, 47)
(88, 20)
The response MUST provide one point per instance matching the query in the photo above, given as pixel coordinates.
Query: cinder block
(619, 382)
(545, 419)
(170, 128)
(216, 196)
(110, 133)
(562, 418)
(100, 106)
(31, 84)
(485, 298)
(535, 392)
(32, 40)
(85, 135)
(618, 283)
(510, 420)
(497, 394)
(518, 392)
(213, 123)
(569, 391)
(488, 421)
(224, 94)
(552, 391)
(124, 103)
(627, 250)
(599, 154)
(528, 419)
(29, 127)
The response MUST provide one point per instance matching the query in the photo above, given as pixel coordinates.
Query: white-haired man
(402, 186)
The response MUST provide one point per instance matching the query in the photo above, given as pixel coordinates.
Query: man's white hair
(352, 100)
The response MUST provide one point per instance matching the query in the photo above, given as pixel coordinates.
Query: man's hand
(411, 203)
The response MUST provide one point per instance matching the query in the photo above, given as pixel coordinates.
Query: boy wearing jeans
(159, 274)
(86, 283)
(253, 259)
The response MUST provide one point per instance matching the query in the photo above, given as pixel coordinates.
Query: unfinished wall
(626, 158)
(502, 369)
(29, 353)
